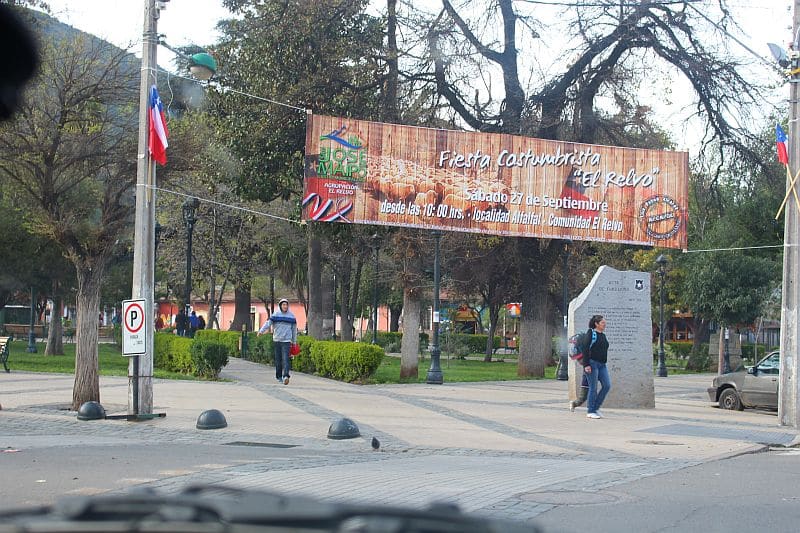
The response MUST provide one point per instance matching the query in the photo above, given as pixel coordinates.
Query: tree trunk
(55, 335)
(327, 304)
(345, 272)
(87, 380)
(241, 314)
(494, 316)
(315, 312)
(700, 331)
(536, 260)
(409, 350)
(394, 314)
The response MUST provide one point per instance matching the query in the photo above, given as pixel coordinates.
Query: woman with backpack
(595, 357)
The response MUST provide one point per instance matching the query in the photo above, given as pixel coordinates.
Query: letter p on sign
(134, 327)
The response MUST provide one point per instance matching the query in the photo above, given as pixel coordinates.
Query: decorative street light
(661, 261)
(189, 217)
(563, 371)
(434, 376)
(334, 306)
(376, 243)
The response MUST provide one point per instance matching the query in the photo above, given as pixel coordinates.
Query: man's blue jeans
(283, 363)
(595, 397)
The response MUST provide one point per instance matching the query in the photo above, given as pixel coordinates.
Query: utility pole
(789, 389)
(140, 368)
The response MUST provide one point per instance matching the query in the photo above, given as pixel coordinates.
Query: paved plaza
(506, 449)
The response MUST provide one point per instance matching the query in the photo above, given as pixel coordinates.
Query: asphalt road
(749, 493)
(752, 492)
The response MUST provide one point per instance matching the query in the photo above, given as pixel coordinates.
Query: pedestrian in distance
(201, 322)
(284, 334)
(193, 323)
(594, 361)
(180, 323)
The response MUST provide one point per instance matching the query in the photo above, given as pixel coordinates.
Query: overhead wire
(222, 204)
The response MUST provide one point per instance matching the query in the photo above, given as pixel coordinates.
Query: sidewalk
(490, 447)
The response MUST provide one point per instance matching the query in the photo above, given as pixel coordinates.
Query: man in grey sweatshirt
(284, 334)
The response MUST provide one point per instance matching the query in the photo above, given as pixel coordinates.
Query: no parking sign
(134, 327)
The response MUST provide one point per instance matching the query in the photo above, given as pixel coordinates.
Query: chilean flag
(781, 142)
(158, 129)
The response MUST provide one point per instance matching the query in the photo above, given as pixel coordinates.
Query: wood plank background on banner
(389, 174)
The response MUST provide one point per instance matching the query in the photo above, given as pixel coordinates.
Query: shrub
(475, 343)
(116, 332)
(699, 360)
(748, 351)
(260, 347)
(173, 353)
(208, 357)
(345, 361)
(678, 349)
(386, 338)
(230, 339)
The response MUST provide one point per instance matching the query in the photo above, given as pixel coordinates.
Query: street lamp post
(661, 261)
(434, 375)
(31, 331)
(375, 243)
(334, 306)
(563, 371)
(189, 217)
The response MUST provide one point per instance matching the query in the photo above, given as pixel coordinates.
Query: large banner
(375, 173)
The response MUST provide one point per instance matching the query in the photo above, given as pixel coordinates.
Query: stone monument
(623, 298)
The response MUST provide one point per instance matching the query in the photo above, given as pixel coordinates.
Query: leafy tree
(314, 55)
(485, 266)
(70, 154)
(608, 43)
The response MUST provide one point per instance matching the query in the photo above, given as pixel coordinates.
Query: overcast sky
(185, 22)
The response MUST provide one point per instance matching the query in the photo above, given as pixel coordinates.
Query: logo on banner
(660, 217)
(343, 156)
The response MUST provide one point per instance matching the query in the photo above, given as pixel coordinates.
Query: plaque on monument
(623, 298)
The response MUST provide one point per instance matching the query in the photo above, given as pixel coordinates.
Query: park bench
(4, 350)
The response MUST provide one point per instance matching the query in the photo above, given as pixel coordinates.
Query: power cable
(221, 204)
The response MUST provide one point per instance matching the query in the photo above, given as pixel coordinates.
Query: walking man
(284, 334)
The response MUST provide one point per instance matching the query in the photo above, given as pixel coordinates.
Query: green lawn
(454, 370)
(111, 361)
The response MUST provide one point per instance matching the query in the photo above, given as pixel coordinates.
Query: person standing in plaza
(193, 324)
(181, 322)
(284, 334)
(595, 357)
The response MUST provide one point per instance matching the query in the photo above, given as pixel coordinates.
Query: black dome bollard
(344, 428)
(91, 411)
(211, 419)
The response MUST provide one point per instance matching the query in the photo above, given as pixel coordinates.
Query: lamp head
(189, 208)
(662, 261)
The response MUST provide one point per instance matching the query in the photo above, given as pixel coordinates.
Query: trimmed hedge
(747, 350)
(345, 361)
(173, 353)
(229, 338)
(209, 357)
(260, 348)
